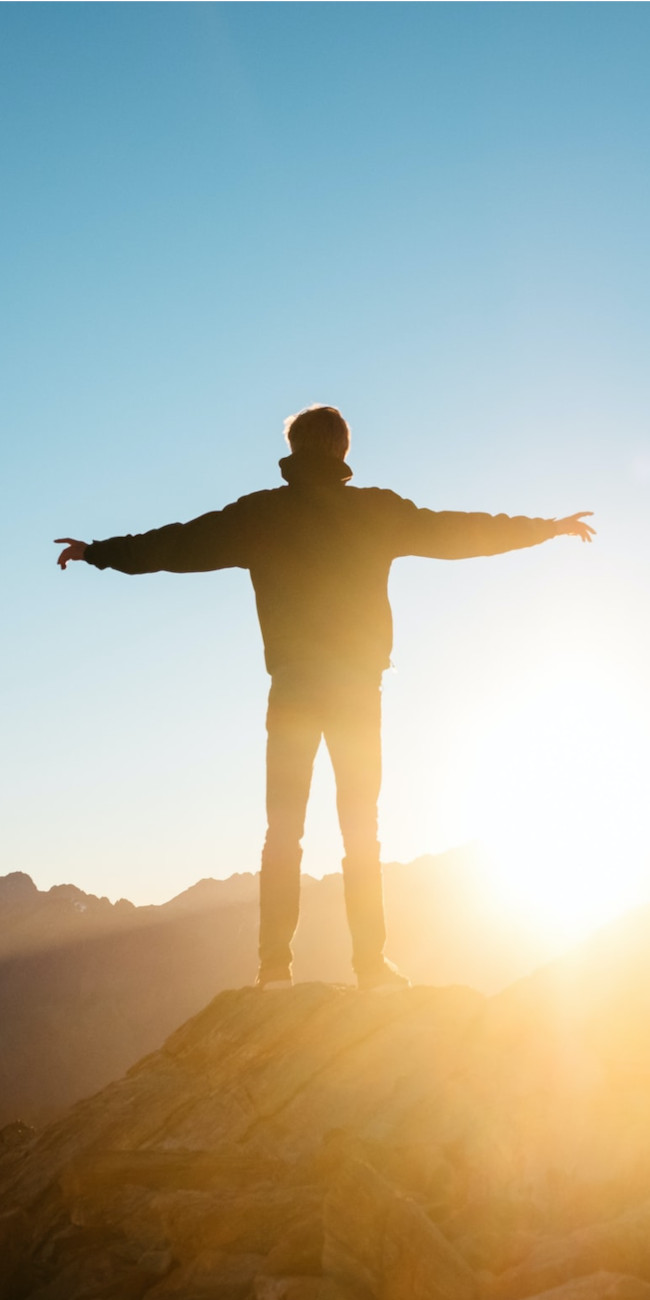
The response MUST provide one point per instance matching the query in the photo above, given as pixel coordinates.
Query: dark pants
(345, 708)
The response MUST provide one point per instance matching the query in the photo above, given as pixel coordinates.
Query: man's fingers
(74, 550)
(67, 554)
(575, 526)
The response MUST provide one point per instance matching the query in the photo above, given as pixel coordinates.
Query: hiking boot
(384, 978)
(268, 978)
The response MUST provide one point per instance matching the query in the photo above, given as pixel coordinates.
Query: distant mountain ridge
(87, 987)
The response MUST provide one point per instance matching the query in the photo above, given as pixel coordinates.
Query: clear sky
(434, 216)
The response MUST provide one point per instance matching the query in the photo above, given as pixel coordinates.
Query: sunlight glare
(558, 791)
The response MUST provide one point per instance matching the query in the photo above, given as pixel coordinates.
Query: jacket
(319, 554)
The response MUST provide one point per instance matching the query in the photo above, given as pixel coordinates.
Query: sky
(433, 216)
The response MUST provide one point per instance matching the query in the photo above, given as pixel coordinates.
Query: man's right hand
(74, 550)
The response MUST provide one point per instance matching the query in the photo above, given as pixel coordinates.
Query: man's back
(319, 559)
(319, 554)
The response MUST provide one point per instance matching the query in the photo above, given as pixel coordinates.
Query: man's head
(318, 428)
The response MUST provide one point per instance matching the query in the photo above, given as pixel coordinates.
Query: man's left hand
(574, 526)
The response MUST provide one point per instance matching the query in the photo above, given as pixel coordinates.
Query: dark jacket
(319, 554)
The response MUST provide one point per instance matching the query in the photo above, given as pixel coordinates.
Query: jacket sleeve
(217, 540)
(455, 535)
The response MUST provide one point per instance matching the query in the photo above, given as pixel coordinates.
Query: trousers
(344, 707)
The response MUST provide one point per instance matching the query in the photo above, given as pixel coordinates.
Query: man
(319, 554)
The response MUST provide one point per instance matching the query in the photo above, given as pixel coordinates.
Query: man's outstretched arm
(455, 535)
(213, 541)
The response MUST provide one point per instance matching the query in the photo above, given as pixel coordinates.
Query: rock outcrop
(321, 1144)
(80, 978)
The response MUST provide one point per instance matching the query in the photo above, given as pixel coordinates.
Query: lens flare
(558, 787)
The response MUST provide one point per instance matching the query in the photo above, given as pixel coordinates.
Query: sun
(558, 787)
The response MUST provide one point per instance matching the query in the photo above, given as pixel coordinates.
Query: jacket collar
(314, 469)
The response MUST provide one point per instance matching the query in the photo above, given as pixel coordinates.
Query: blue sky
(432, 215)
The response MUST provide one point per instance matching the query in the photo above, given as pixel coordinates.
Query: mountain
(323, 1144)
(87, 987)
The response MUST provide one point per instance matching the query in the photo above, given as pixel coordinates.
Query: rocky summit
(322, 1144)
(80, 978)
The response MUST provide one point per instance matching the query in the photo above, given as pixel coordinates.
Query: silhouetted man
(319, 554)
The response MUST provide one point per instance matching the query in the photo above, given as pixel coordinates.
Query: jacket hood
(314, 469)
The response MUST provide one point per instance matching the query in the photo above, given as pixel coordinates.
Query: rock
(620, 1245)
(156, 1263)
(99, 1172)
(495, 1234)
(299, 1250)
(293, 1288)
(553, 1100)
(131, 1212)
(301, 1288)
(380, 1240)
(419, 1168)
(211, 1275)
(99, 1271)
(14, 1239)
(15, 1135)
(249, 1222)
(318, 1143)
(598, 1286)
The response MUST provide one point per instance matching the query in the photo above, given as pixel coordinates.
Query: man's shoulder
(252, 501)
(376, 492)
(371, 502)
(378, 497)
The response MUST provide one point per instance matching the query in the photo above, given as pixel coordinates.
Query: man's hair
(318, 428)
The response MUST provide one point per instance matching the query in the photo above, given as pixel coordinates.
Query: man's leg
(353, 735)
(294, 733)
